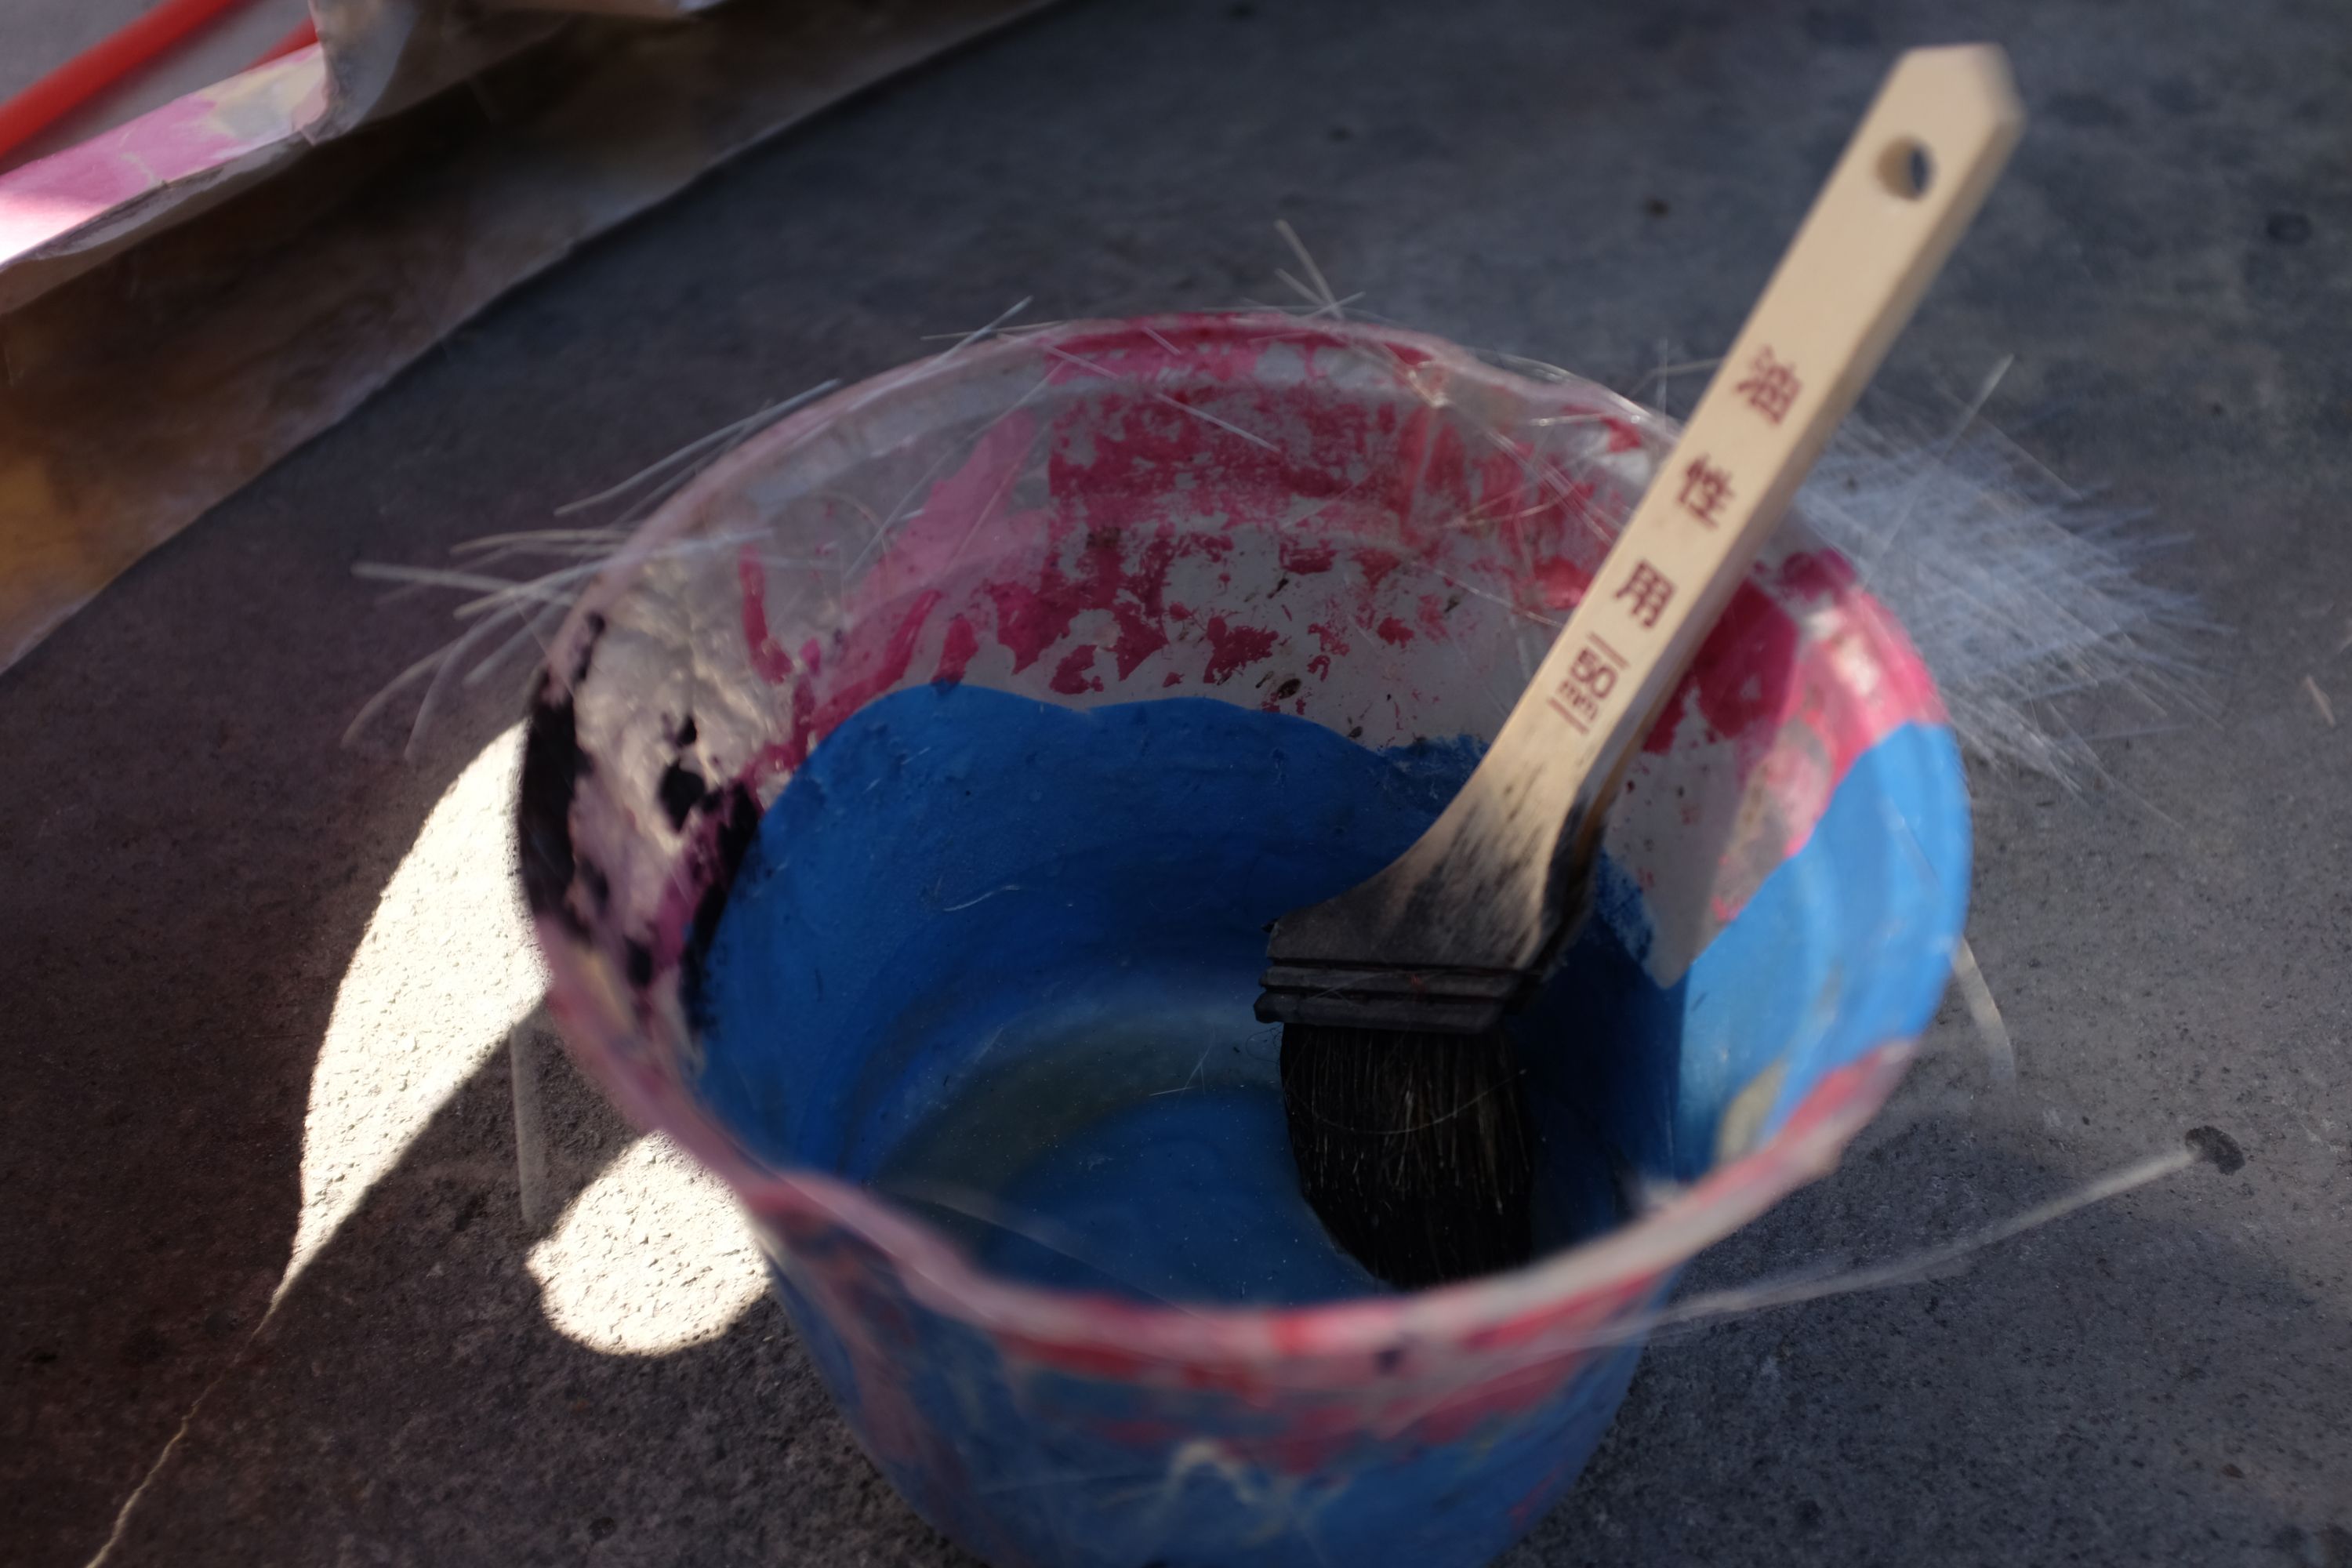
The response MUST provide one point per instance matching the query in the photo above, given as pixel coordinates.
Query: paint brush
(1406, 1114)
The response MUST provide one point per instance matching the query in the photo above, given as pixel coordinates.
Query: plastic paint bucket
(1377, 533)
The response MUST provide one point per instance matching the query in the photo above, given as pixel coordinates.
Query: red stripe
(103, 65)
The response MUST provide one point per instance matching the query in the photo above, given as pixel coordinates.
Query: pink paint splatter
(813, 718)
(960, 515)
(1561, 581)
(1334, 638)
(1031, 618)
(773, 664)
(890, 666)
(1307, 559)
(1070, 677)
(1759, 673)
(1233, 648)
(1818, 576)
(1739, 679)
(1432, 616)
(1138, 608)
(1121, 461)
(1568, 518)
(956, 650)
(1395, 632)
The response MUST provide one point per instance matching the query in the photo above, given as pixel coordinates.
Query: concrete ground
(213, 931)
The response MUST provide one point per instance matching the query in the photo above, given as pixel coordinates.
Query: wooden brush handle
(1476, 905)
(1914, 173)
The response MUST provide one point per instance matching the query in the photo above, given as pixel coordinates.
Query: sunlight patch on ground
(445, 968)
(653, 1256)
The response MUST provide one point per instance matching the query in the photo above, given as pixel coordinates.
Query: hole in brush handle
(1906, 168)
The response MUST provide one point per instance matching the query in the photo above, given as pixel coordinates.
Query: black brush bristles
(1414, 1149)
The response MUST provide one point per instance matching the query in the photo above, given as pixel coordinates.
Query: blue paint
(1845, 946)
(997, 958)
(1023, 1476)
(1179, 1196)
